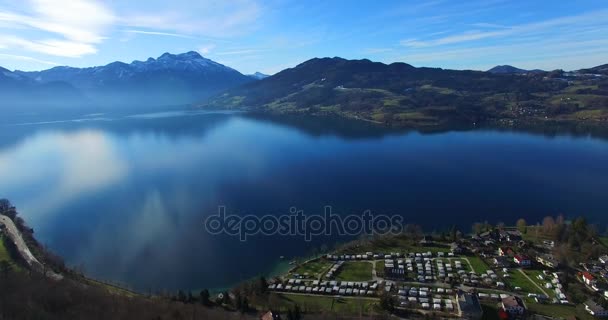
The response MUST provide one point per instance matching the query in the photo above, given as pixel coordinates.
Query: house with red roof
(588, 279)
(522, 261)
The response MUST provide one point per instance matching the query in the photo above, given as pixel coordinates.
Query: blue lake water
(124, 196)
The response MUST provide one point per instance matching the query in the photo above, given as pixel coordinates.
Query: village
(496, 274)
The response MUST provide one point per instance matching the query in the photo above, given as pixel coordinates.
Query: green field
(604, 241)
(355, 271)
(535, 234)
(478, 264)
(519, 280)
(395, 244)
(533, 274)
(321, 303)
(314, 268)
(560, 311)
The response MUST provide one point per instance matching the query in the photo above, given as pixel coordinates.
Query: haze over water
(125, 196)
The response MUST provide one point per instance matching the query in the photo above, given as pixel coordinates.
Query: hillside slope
(402, 95)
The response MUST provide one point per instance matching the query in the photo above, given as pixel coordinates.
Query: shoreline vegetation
(573, 245)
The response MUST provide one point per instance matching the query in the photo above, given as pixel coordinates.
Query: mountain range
(258, 76)
(506, 69)
(396, 94)
(168, 80)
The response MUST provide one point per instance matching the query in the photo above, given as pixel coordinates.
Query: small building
(522, 261)
(595, 309)
(502, 261)
(513, 305)
(505, 251)
(468, 306)
(456, 248)
(589, 279)
(547, 260)
(604, 259)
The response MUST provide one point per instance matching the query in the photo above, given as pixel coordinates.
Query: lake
(124, 196)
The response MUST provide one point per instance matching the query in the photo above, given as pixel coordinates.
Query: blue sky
(271, 35)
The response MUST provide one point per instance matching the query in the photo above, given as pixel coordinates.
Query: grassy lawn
(465, 266)
(380, 268)
(560, 311)
(322, 303)
(534, 235)
(355, 271)
(313, 269)
(604, 241)
(519, 280)
(533, 274)
(397, 244)
(478, 264)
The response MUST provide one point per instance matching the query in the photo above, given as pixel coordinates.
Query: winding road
(15, 236)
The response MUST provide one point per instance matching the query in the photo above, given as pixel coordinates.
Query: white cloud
(206, 49)
(63, 28)
(209, 19)
(571, 23)
(156, 33)
(238, 52)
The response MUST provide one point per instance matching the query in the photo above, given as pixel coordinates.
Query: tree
(500, 225)
(262, 286)
(204, 297)
(478, 228)
(7, 209)
(5, 268)
(548, 224)
(181, 296)
(387, 302)
(522, 226)
(580, 225)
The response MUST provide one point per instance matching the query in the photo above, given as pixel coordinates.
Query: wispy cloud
(571, 22)
(69, 28)
(157, 33)
(238, 52)
(489, 25)
(26, 58)
(377, 50)
(203, 18)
